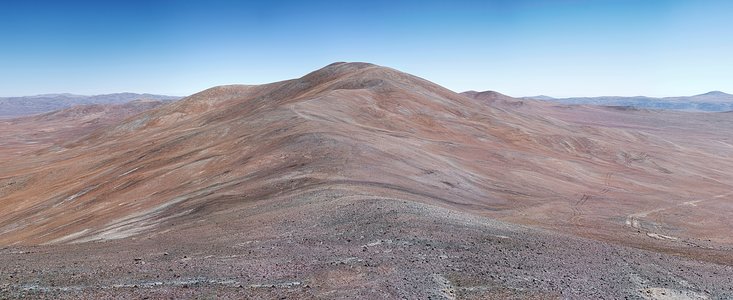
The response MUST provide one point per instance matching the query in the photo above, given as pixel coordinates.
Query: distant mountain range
(711, 102)
(30, 105)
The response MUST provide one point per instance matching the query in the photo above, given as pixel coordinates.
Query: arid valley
(362, 181)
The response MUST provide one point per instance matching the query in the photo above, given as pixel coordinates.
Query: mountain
(540, 97)
(30, 105)
(22, 134)
(490, 96)
(709, 102)
(361, 181)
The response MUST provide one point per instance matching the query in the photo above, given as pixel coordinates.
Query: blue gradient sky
(558, 48)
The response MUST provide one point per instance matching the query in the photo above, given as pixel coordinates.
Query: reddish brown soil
(362, 181)
(22, 135)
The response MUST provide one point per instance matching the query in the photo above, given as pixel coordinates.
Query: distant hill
(44, 130)
(711, 102)
(31, 105)
(490, 96)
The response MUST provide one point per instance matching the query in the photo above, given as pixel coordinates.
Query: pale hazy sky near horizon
(559, 48)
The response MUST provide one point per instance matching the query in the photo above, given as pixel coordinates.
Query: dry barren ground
(333, 242)
(361, 181)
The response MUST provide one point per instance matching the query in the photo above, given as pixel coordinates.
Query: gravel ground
(339, 242)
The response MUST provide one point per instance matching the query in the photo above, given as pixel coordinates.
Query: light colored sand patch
(129, 226)
(78, 194)
(13, 227)
(68, 237)
(377, 243)
(632, 220)
(276, 285)
(446, 288)
(142, 221)
(128, 172)
(657, 293)
(723, 195)
(245, 243)
(670, 294)
(725, 144)
(691, 203)
(661, 236)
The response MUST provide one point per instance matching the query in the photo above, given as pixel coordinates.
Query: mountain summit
(716, 94)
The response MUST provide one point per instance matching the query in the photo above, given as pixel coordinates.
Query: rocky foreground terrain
(359, 181)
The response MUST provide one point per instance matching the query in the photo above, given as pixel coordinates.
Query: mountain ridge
(29, 105)
(714, 101)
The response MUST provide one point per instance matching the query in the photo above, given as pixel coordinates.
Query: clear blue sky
(558, 48)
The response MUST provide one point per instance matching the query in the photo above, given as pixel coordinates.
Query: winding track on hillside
(634, 220)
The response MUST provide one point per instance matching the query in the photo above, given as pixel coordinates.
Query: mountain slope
(362, 181)
(356, 124)
(22, 135)
(252, 138)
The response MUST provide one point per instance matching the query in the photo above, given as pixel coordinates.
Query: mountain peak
(360, 75)
(488, 96)
(715, 93)
(336, 70)
(540, 97)
(356, 65)
(340, 68)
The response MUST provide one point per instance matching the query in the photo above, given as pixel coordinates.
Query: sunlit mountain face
(356, 176)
